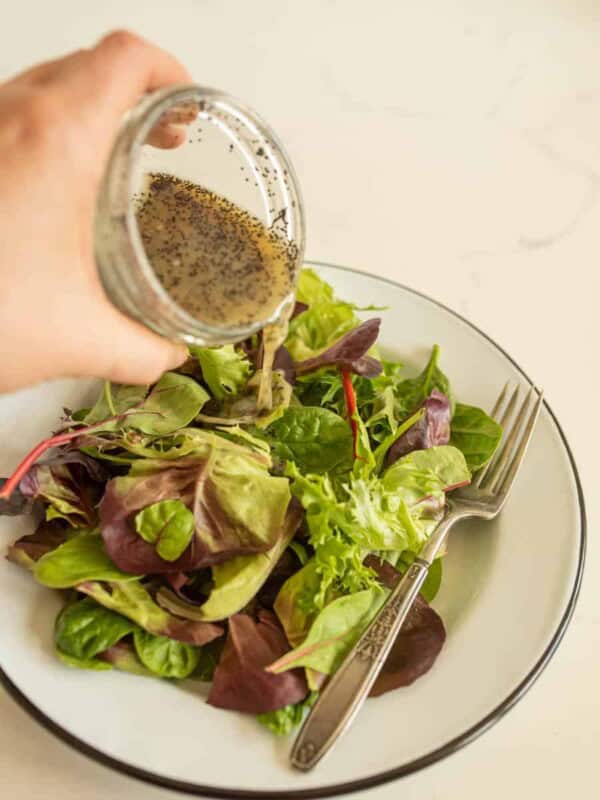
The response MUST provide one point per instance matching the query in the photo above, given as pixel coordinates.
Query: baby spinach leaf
(412, 392)
(224, 369)
(169, 525)
(475, 434)
(164, 656)
(79, 559)
(84, 629)
(316, 439)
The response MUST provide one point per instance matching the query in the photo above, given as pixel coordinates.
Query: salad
(194, 534)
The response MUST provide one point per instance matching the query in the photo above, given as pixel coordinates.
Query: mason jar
(229, 150)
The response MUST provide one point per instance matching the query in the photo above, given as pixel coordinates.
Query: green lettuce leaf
(235, 582)
(475, 434)
(293, 604)
(164, 656)
(316, 439)
(169, 525)
(394, 513)
(84, 629)
(424, 473)
(172, 404)
(311, 289)
(114, 399)
(79, 559)
(133, 601)
(283, 721)
(338, 557)
(322, 323)
(334, 632)
(224, 369)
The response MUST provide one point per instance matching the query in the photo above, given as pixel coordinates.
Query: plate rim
(415, 765)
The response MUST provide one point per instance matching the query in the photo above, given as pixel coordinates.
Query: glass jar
(229, 150)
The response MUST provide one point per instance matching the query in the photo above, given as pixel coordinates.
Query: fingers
(130, 66)
(169, 131)
(127, 352)
(112, 76)
(166, 136)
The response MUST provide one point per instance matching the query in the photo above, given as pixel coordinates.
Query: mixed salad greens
(194, 535)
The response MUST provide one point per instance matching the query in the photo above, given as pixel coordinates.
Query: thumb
(125, 351)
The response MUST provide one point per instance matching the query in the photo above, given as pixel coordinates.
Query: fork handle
(346, 691)
(344, 694)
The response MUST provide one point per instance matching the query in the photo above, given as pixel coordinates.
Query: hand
(57, 126)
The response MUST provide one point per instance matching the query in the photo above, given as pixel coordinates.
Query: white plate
(508, 592)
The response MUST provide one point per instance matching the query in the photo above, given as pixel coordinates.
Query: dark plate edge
(389, 775)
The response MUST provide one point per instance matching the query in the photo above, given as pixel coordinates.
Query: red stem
(39, 450)
(350, 396)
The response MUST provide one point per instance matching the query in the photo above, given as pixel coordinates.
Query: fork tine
(500, 401)
(521, 447)
(505, 451)
(503, 420)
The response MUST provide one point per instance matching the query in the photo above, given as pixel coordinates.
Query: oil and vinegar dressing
(221, 264)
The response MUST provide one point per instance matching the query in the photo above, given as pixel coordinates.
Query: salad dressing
(220, 263)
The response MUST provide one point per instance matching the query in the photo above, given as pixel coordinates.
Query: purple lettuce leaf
(17, 504)
(299, 308)
(132, 600)
(418, 644)
(70, 482)
(431, 430)
(415, 650)
(220, 532)
(46, 537)
(240, 681)
(287, 566)
(285, 364)
(349, 352)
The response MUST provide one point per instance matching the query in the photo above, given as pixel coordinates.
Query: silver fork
(344, 694)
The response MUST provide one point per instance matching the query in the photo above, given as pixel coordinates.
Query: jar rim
(144, 117)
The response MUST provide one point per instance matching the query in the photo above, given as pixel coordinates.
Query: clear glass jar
(228, 149)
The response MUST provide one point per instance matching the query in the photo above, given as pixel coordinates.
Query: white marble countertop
(455, 147)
